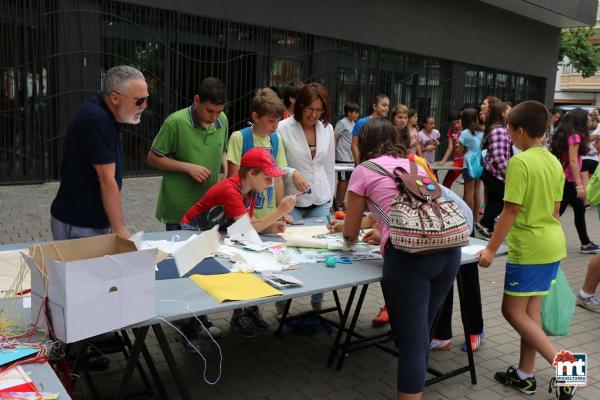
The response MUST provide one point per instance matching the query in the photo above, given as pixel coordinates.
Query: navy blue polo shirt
(93, 137)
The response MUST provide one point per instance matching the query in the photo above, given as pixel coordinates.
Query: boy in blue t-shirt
(536, 242)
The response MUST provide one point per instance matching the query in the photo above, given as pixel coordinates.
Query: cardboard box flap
(81, 249)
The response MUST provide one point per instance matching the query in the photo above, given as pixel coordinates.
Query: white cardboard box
(95, 285)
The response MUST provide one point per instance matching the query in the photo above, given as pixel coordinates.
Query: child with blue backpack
(266, 111)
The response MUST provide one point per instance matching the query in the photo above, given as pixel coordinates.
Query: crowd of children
(281, 169)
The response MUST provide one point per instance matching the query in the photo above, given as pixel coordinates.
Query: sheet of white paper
(249, 261)
(166, 246)
(472, 249)
(243, 231)
(195, 250)
(300, 241)
(137, 239)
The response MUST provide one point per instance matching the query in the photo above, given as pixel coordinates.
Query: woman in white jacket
(310, 150)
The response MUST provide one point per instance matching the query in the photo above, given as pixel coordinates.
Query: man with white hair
(88, 201)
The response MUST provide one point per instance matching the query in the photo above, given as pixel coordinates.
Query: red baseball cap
(258, 157)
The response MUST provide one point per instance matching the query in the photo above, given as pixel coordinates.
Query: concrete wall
(468, 31)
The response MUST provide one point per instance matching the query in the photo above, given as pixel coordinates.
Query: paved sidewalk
(293, 367)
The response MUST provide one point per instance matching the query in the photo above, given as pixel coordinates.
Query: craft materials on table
(234, 286)
(16, 380)
(281, 281)
(14, 273)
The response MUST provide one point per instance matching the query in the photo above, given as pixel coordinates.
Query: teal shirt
(181, 137)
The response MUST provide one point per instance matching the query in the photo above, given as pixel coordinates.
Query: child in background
(569, 143)
(413, 130)
(380, 106)
(429, 139)
(470, 139)
(399, 116)
(455, 148)
(343, 149)
(536, 242)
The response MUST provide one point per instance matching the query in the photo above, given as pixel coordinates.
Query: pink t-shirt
(573, 139)
(379, 188)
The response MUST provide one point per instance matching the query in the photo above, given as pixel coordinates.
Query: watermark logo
(571, 368)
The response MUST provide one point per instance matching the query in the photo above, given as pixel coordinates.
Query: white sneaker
(591, 303)
(214, 331)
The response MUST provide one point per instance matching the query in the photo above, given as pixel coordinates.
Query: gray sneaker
(215, 332)
(591, 303)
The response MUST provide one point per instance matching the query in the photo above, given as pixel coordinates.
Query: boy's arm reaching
(507, 218)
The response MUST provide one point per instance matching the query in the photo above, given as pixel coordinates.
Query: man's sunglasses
(137, 100)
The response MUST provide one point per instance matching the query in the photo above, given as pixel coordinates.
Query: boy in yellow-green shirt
(266, 110)
(536, 242)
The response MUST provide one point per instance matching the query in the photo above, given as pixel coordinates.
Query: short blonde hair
(265, 102)
(399, 109)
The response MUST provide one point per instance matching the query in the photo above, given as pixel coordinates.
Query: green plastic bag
(592, 191)
(558, 307)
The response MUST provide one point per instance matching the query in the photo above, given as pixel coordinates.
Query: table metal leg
(173, 367)
(150, 363)
(466, 326)
(350, 332)
(132, 362)
(283, 319)
(342, 327)
(338, 304)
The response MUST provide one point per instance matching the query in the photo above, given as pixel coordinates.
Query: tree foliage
(576, 46)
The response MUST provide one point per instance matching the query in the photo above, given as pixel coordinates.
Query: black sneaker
(562, 392)
(254, 316)
(191, 341)
(511, 378)
(240, 325)
(483, 231)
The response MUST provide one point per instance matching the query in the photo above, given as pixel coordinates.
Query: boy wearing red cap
(237, 195)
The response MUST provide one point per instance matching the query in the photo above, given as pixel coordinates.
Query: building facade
(433, 55)
(571, 88)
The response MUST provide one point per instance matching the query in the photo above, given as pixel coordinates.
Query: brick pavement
(293, 367)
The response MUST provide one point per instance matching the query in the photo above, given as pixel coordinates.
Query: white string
(189, 309)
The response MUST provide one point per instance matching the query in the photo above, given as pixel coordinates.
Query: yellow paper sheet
(234, 286)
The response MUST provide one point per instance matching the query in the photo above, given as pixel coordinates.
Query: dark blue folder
(209, 266)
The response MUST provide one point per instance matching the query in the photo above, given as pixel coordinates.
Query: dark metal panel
(65, 46)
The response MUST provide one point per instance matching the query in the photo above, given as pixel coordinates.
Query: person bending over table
(236, 196)
(414, 285)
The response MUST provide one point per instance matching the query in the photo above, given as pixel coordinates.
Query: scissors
(343, 260)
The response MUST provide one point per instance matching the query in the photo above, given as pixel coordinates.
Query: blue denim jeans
(299, 213)
(320, 211)
(63, 231)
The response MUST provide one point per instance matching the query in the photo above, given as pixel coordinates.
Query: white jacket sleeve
(330, 166)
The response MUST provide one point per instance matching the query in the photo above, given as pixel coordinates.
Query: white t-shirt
(425, 139)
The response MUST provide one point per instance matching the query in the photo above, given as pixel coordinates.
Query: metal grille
(54, 53)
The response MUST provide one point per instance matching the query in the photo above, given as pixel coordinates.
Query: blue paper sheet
(209, 266)
(9, 356)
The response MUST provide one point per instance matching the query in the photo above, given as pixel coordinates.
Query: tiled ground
(293, 367)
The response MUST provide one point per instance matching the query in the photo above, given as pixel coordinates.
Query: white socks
(585, 295)
(523, 375)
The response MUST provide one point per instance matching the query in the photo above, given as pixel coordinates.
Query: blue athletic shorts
(529, 279)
